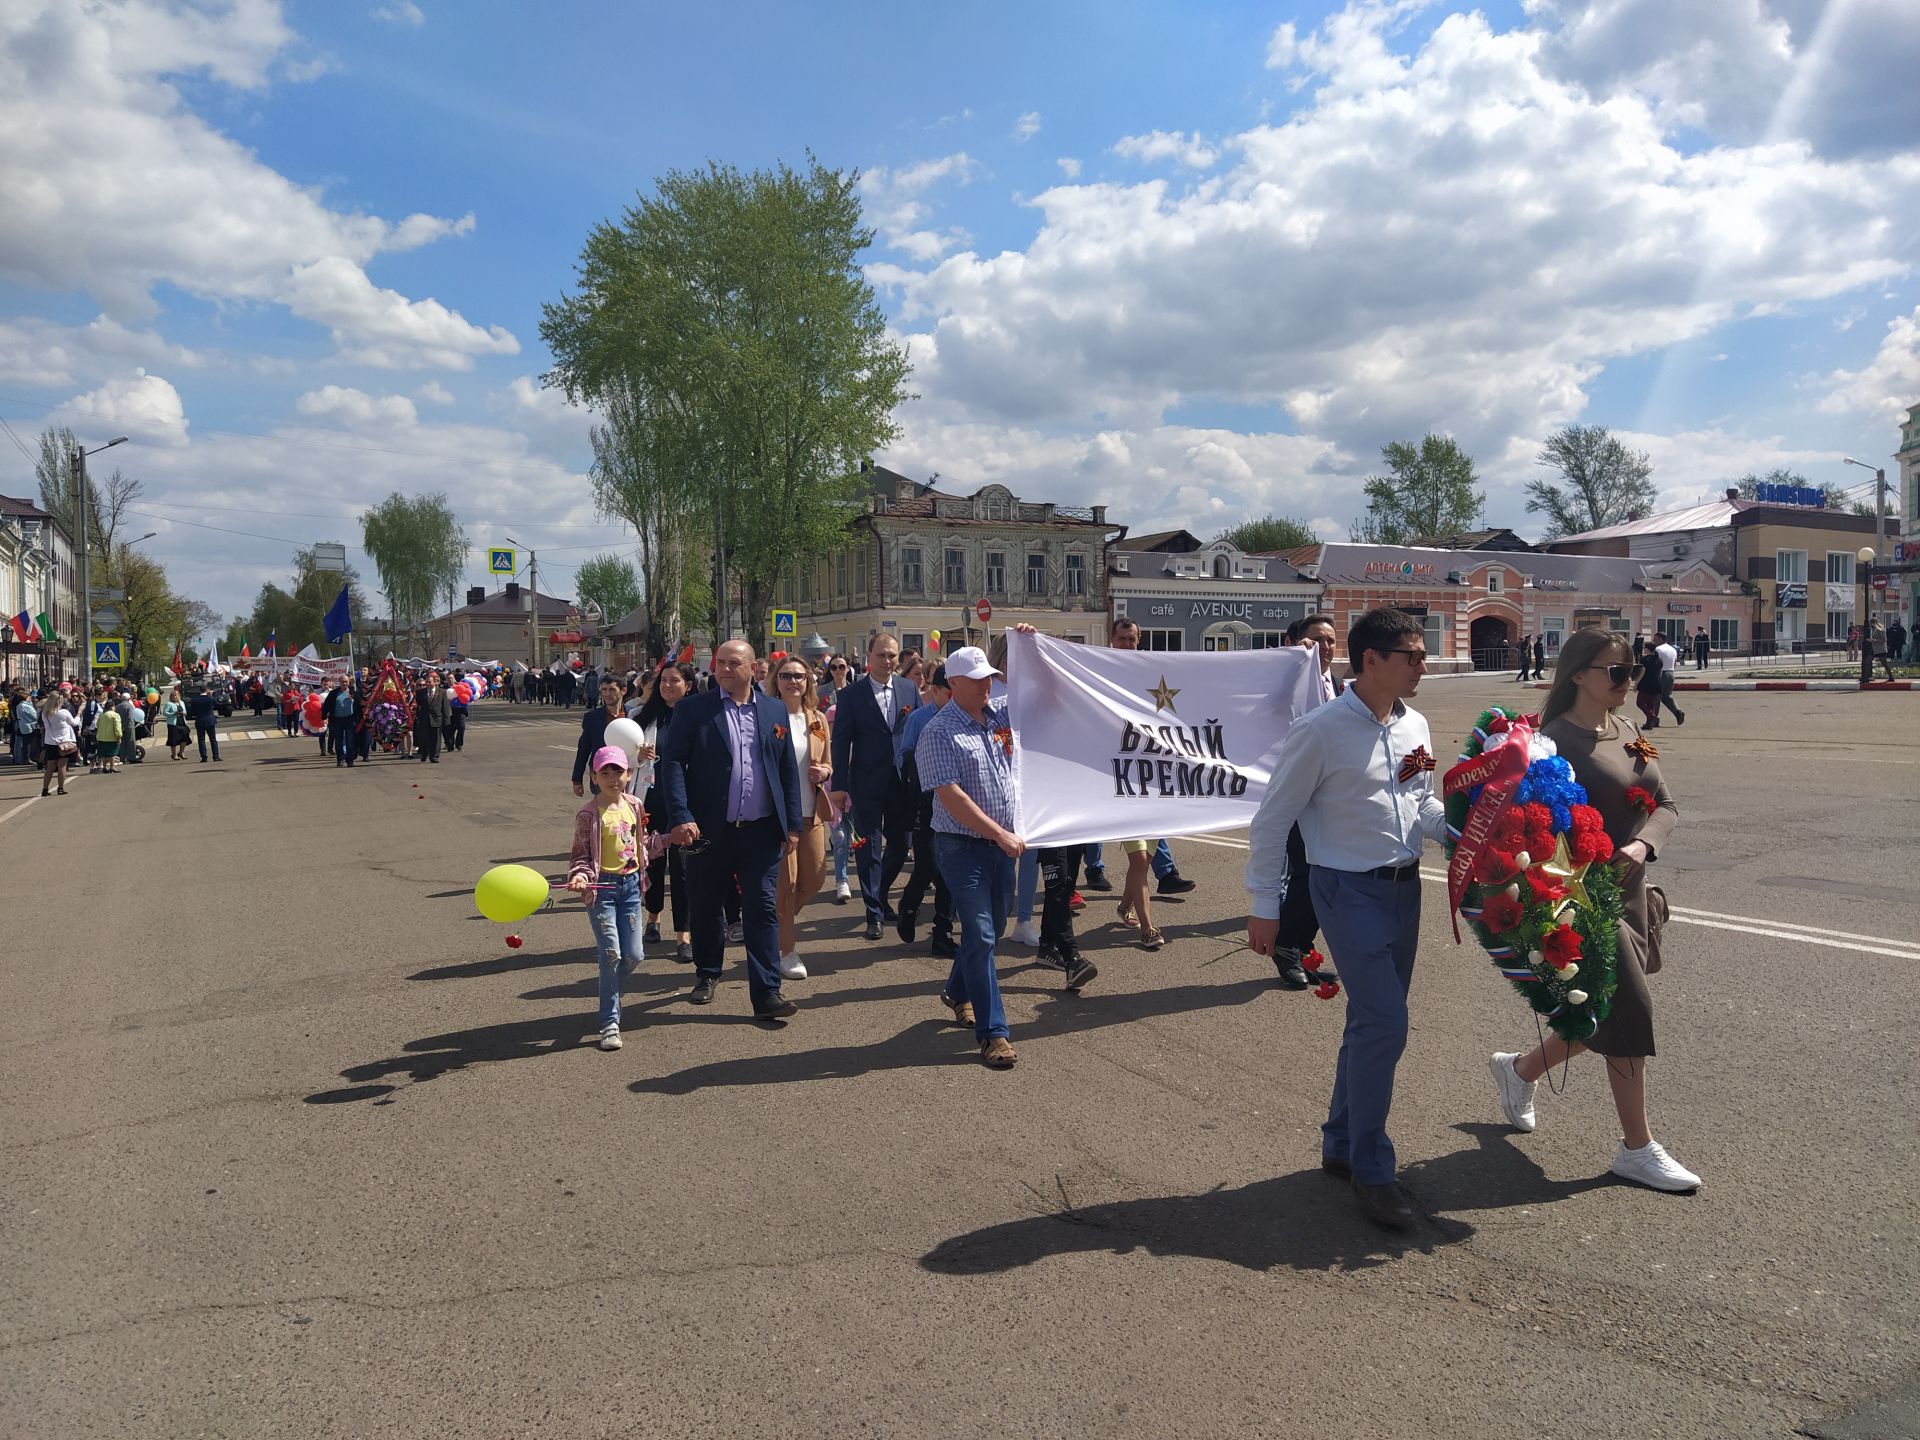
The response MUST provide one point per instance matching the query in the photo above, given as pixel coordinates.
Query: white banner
(1141, 744)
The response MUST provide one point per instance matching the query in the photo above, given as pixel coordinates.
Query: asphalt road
(295, 1145)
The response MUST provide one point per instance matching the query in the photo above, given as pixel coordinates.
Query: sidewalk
(1796, 686)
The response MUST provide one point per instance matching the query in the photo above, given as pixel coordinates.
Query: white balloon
(628, 736)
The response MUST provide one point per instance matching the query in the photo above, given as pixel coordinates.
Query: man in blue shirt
(926, 870)
(1356, 774)
(965, 757)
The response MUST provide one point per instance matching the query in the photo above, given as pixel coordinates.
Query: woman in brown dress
(1609, 758)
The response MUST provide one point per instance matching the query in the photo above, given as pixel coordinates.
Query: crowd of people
(55, 728)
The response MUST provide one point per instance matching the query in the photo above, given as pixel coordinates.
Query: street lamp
(80, 525)
(1864, 557)
(148, 536)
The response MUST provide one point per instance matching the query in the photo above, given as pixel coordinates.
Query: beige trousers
(800, 877)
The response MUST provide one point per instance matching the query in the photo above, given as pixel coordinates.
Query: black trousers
(670, 866)
(744, 859)
(925, 873)
(426, 740)
(1299, 925)
(206, 731)
(1059, 873)
(887, 829)
(455, 735)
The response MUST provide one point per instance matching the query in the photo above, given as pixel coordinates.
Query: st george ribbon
(1498, 771)
(1141, 744)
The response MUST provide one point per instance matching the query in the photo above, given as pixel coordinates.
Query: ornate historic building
(921, 559)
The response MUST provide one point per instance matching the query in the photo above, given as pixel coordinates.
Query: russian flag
(27, 628)
(273, 637)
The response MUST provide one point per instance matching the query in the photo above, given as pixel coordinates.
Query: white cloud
(356, 408)
(434, 393)
(143, 407)
(1188, 150)
(1452, 236)
(1887, 384)
(402, 12)
(115, 185)
(894, 203)
(47, 355)
(1027, 126)
(1069, 167)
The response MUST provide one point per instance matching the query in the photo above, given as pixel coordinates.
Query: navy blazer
(863, 742)
(695, 770)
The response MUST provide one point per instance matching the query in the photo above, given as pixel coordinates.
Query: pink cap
(609, 755)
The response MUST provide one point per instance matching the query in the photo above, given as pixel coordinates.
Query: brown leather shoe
(962, 1010)
(997, 1054)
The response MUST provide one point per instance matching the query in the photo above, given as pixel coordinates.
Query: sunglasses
(1617, 674)
(1414, 656)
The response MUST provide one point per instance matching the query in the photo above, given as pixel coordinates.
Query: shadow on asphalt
(1303, 1221)
(1495, 1175)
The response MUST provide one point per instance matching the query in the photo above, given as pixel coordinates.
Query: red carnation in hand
(1642, 799)
(1561, 946)
(1546, 889)
(1500, 912)
(1495, 866)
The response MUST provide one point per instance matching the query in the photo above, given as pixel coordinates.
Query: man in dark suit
(871, 714)
(731, 785)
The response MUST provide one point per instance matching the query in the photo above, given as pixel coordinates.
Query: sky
(1196, 262)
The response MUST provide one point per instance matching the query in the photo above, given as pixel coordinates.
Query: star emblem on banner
(1163, 696)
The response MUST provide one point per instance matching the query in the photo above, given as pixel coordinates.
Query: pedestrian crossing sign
(501, 562)
(107, 653)
(786, 624)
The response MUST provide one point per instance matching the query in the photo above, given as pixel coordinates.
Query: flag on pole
(339, 623)
(273, 637)
(26, 627)
(176, 659)
(45, 627)
(307, 652)
(213, 658)
(686, 656)
(246, 650)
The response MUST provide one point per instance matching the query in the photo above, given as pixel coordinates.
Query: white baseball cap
(969, 662)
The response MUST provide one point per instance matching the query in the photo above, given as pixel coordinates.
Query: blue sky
(1197, 262)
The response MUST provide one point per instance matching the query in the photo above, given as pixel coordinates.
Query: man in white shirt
(1357, 776)
(1669, 661)
(1299, 925)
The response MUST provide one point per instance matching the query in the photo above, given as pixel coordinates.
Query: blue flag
(338, 623)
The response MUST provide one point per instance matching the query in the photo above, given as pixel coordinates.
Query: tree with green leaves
(420, 551)
(297, 613)
(731, 309)
(609, 582)
(1430, 489)
(1601, 483)
(1270, 532)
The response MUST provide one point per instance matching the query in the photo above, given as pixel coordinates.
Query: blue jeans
(980, 878)
(842, 841)
(1162, 860)
(1372, 926)
(1026, 881)
(340, 735)
(615, 913)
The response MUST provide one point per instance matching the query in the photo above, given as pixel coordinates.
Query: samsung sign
(1808, 495)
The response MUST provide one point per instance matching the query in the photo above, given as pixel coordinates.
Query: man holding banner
(1357, 776)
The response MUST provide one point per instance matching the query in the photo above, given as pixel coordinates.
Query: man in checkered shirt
(966, 757)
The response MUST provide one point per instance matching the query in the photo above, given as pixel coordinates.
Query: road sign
(109, 652)
(984, 611)
(502, 562)
(329, 555)
(106, 592)
(786, 624)
(1879, 582)
(108, 618)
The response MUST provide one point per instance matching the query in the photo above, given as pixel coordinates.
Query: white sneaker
(790, 966)
(841, 894)
(1025, 933)
(1653, 1167)
(735, 935)
(1516, 1095)
(610, 1038)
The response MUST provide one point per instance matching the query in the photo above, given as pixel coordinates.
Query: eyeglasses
(793, 675)
(1618, 674)
(1415, 657)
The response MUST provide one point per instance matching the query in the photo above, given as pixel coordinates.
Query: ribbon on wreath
(1498, 772)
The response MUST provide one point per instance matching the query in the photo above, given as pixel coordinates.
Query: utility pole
(533, 603)
(80, 528)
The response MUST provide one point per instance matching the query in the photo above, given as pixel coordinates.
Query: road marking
(1711, 919)
(256, 734)
(18, 808)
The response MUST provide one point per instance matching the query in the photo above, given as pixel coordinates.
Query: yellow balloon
(510, 892)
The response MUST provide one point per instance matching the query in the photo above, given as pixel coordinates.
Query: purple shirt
(747, 797)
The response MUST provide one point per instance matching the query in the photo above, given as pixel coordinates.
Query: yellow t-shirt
(619, 854)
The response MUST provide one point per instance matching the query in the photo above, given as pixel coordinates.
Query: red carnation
(1589, 846)
(1585, 817)
(1561, 946)
(1642, 798)
(1546, 889)
(1500, 912)
(1510, 831)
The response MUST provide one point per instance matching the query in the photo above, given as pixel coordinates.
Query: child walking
(608, 866)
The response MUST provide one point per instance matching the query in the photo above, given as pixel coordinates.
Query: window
(840, 573)
(1267, 640)
(1840, 569)
(806, 587)
(1496, 582)
(996, 572)
(917, 642)
(1552, 627)
(1161, 639)
(1724, 634)
(956, 579)
(1432, 624)
(1037, 572)
(1221, 568)
(860, 572)
(1672, 627)
(1076, 574)
(910, 578)
(1790, 566)
(1790, 631)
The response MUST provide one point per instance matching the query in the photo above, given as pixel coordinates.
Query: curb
(1840, 687)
